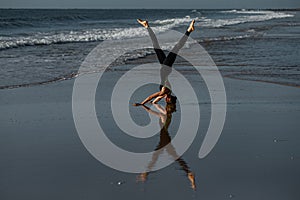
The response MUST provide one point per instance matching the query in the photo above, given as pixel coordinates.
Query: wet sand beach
(256, 157)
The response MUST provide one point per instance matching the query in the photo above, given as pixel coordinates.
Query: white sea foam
(227, 38)
(256, 16)
(90, 35)
(175, 21)
(228, 11)
(159, 26)
(243, 11)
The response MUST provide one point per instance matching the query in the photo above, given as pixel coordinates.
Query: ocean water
(42, 46)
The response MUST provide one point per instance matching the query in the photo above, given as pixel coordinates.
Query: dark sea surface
(42, 46)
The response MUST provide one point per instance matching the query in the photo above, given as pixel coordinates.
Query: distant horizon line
(41, 8)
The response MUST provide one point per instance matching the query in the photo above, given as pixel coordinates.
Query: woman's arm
(160, 109)
(157, 99)
(149, 98)
(151, 111)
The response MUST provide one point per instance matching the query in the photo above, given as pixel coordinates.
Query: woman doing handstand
(166, 64)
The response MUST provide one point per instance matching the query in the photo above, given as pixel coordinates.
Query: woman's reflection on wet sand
(165, 118)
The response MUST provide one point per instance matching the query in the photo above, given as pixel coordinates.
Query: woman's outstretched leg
(169, 61)
(159, 52)
(166, 68)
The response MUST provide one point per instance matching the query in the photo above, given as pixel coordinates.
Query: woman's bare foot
(144, 23)
(137, 104)
(191, 177)
(191, 27)
(142, 177)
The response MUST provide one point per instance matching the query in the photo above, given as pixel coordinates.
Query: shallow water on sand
(256, 156)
